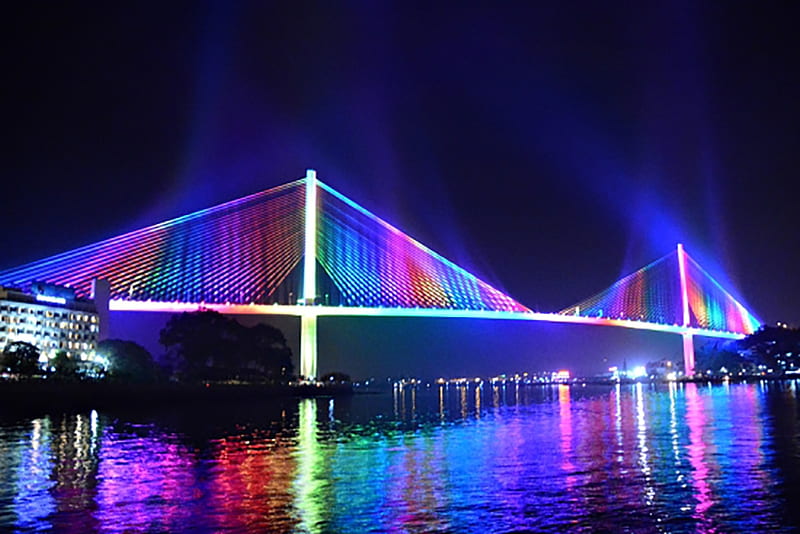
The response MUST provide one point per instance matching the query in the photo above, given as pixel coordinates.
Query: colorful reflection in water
(466, 458)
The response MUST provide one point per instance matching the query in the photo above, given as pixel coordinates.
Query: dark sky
(550, 149)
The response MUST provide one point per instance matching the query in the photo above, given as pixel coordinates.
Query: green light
(309, 482)
(308, 345)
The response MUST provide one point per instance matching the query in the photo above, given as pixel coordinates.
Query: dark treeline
(199, 346)
(772, 350)
(207, 345)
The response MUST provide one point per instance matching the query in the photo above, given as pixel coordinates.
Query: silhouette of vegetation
(777, 347)
(207, 345)
(65, 368)
(772, 350)
(773, 341)
(129, 362)
(21, 358)
(721, 357)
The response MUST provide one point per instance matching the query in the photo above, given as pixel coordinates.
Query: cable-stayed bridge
(305, 249)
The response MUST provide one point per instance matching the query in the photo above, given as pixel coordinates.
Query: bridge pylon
(308, 319)
(672, 294)
(688, 343)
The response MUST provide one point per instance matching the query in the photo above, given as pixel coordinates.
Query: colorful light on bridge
(245, 256)
(373, 264)
(657, 294)
(237, 252)
(248, 252)
(712, 307)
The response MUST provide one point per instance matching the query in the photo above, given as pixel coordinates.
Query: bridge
(304, 249)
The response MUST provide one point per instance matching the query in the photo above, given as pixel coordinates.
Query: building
(662, 369)
(50, 317)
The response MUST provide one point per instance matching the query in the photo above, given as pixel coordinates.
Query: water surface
(637, 458)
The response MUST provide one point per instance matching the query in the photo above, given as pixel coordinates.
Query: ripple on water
(628, 459)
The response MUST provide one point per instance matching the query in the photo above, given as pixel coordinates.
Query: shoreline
(86, 395)
(50, 395)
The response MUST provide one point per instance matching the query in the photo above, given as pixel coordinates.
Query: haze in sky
(548, 149)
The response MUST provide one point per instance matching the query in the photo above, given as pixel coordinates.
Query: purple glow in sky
(550, 150)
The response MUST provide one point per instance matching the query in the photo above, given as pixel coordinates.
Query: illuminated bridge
(305, 249)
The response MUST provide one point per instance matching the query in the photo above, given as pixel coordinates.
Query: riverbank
(744, 379)
(86, 395)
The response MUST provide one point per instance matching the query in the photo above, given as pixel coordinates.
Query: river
(471, 458)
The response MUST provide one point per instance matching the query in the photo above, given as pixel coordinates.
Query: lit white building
(51, 318)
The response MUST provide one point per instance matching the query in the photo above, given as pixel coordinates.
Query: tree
(128, 361)
(264, 349)
(717, 356)
(198, 342)
(21, 358)
(772, 349)
(66, 368)
(778, 348)
(206, 345)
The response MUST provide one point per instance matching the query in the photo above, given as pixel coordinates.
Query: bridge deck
(344, 311)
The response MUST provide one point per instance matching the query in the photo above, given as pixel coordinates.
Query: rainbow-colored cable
(247, 253)
(237, 252)
(373, 264)
(654, 294)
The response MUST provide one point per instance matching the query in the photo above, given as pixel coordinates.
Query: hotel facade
(51, 318)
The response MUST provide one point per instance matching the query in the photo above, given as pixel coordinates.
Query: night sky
(549, 149)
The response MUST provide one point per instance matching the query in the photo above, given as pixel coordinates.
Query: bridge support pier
(308, 346)
(688, 354)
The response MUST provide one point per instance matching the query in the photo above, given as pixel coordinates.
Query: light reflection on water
(468, 458)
